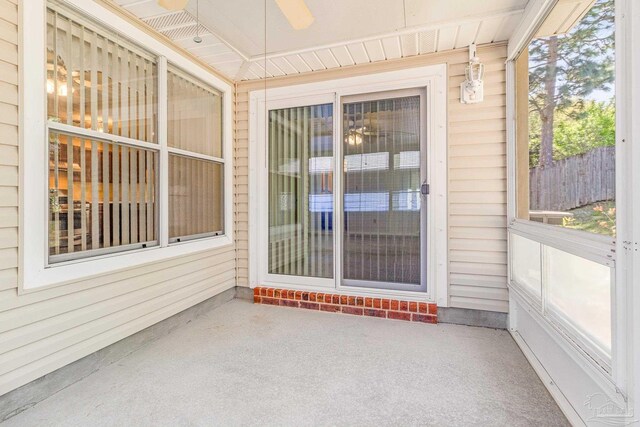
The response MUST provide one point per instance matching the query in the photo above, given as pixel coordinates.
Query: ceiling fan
(173, 4)
(296, 11)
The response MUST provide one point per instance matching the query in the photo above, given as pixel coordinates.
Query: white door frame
(425, 219)
(434, 79)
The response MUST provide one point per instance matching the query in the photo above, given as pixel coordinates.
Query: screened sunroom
(300, 212)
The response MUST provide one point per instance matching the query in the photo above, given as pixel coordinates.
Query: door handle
(424, 189)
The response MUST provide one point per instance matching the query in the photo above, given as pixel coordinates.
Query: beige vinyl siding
(241, 165)
(8, 144)
(477, 174)
(46, 329)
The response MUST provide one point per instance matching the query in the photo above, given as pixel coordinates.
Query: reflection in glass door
(382, 181)
(301, 191)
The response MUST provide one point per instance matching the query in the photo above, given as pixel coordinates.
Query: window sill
(595, 247)
(37, 276)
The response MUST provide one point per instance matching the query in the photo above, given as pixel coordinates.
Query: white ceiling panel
(228, 68)
(273, 69)
(259, 70)
(488, 29)
(327, 58)
(392, 48)
(284, 65)
(342, 34)
(248, 74)
(420, 12)
(506, 28)
(313, 61)
(243, 22)
(375, 50)
(299, 63)
(447, 38)
(341, 53)
(205, 50)
(358, 53)
(467, 34)
(222, 57)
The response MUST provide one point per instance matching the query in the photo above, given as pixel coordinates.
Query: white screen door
(384, 221)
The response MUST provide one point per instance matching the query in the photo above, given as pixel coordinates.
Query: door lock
(424, 189)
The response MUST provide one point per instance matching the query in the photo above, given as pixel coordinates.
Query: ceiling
(344, 32)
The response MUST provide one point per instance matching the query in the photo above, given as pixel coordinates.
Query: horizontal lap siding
(477, 174)
(241, 164)
(8, 145)
(478, 190)
(47, 329)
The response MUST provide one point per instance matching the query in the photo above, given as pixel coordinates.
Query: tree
(577, 129)
(564, 69)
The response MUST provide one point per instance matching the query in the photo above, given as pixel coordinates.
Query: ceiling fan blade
(296, 12)
(173, 4)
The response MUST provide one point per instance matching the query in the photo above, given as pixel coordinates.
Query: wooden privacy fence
(573, 182)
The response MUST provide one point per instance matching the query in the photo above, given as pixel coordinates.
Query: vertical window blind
(102, 194)
(104, 157)
(97, 81)
(194, 115)
(381, 236)
(301, 191)
(196, 163)
(194, 197)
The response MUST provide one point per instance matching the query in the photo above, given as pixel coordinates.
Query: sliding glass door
(382, 238)
(301, 191)
(378, 210)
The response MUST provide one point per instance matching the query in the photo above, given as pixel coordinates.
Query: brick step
(386, 308)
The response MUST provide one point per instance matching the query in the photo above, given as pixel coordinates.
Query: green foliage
(577, 130)
(585, 60)
(564, 72)
(597, 218)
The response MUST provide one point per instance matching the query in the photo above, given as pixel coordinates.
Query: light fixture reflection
(62, 88)
(355, 137)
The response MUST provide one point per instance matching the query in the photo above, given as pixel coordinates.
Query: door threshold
(419, 296)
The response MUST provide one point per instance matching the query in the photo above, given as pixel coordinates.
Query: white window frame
(193, 155)
(433, 78)
(34, 272)
(613, 374)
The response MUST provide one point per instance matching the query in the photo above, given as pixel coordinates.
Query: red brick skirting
(349, 304)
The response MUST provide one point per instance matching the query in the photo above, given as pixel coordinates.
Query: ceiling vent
(176, 25)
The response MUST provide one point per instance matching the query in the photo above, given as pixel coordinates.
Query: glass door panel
(301, 191)
(382, 176)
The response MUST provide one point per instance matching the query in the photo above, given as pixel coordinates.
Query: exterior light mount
(472, 89)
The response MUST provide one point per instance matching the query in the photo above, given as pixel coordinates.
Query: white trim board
(571, 380)
(33, 271)
(434, 79)
(622, 385)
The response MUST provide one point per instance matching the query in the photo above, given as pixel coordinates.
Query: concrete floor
(245, 364)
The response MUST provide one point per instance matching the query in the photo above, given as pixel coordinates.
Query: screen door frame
(339, 191)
